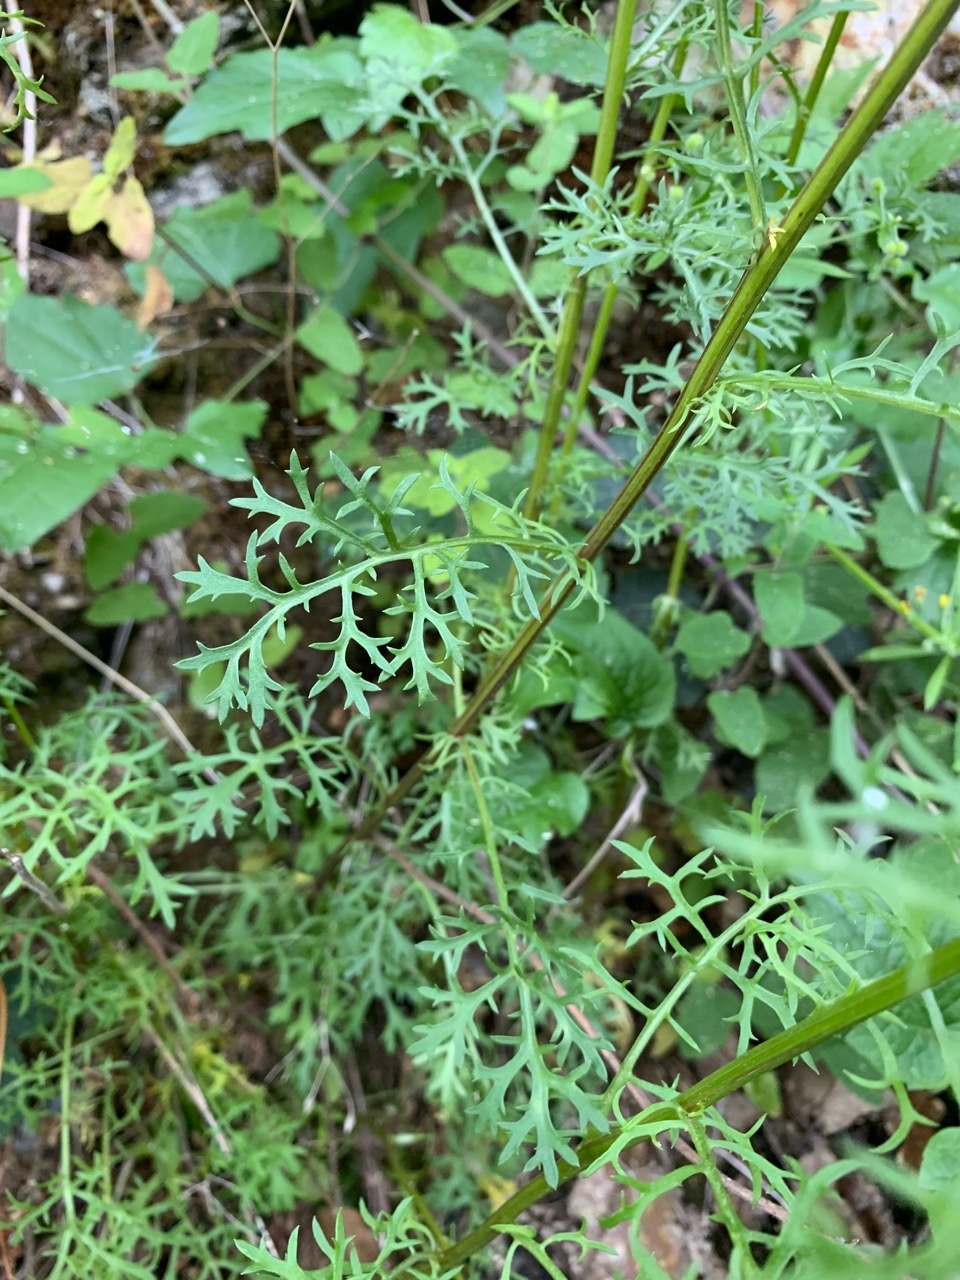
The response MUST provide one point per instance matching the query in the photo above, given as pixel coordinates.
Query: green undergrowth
(622, 728)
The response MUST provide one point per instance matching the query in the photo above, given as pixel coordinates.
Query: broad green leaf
(548, 801)
(11, 284)
(397, 45)
(549, 278)
(46, 473)
(815, 626)
(681, 758)
(192, 52)
(480, 269)
(740, 719)
(340, 267)
(941, 292)
(903, 536)
(941, 1160)
(420, 354)
(784, 768)
(915, 150)
(711, 643)
(565, 798)
(133, 602)
(331, 339)
(779, 597)
(480, 67)
(23, 180)
(153, 514)
(829, 586)
(400, 53)
(239, 95)
(154, 448)
(149, 80)
(550, 155)
(90, 429)
(550, 688)
(622, 677)
(226, 240)
(531, 109)
(77, 353)
(43, 481)
(787, 712)
(213, 436)
(550, 48)
(297, 211)
(708, 1014)
(877, 944)
(107, 553)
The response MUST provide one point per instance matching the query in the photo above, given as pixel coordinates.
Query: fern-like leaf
(436, 599)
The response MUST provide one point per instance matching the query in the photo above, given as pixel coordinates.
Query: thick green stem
(887, 597)
(816, 84)
(824, 1024)
(573, 304)
(756, 34)
(733, 82)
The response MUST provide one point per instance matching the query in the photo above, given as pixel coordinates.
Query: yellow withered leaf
(68, 178)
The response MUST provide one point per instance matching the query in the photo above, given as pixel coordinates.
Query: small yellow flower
(920, 594)
(943, 601)
(771, 234)
(904, 606)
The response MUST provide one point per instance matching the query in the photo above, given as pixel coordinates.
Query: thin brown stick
(137, 926)
(191, 1088)
(36, 886)
(174, 732)
(630, 817)
(5, 1256)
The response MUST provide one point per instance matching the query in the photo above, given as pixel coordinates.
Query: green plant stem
(930, 489)
(756, 32)
(901, 474)
(638, 201)
(826, 1023)
(471, 173)
(678, 563)
(725, 1211)
(486, 826)
(493, 857)
(816, 84)
(885, 596)
(736, 106)
(69, 1235)
(573, 303)
(830, 390)
(757, 278)
(13, 711)
(495, 11)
